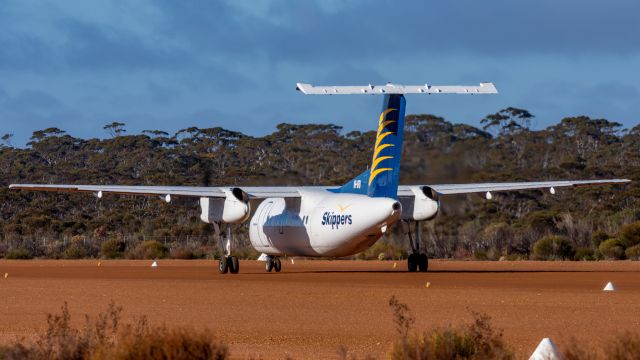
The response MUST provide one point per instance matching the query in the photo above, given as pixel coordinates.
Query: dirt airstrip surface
(313, 307)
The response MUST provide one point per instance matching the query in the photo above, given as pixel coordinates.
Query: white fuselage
(321, 223)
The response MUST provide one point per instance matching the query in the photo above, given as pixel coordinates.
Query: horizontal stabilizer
(483, 88)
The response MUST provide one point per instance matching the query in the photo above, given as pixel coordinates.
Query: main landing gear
(227, 263)
(417, 261)
(273, 263)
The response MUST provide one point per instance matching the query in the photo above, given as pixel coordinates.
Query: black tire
(423, 263)
(277, 265)
(269, 265)
(223, 265)
(234, 264)
(412, 262)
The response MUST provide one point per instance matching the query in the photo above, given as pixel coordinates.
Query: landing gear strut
(227, 263)
(273, 263)
(417, 261)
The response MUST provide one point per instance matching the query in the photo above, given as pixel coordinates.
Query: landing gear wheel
(233, 264)
(277, 265)
(423, 263)
(412, 261)
(269, 264)
(223, 265)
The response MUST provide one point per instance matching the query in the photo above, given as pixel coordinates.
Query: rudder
(387, 151)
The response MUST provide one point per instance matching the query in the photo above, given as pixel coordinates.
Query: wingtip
(302, 87)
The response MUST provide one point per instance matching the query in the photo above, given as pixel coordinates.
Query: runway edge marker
(546, 350)
(609, 287)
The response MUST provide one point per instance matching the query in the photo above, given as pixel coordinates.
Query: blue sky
(168, 65)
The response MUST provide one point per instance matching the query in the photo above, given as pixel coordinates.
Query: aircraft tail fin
(387, 151)
(357, 185)
(381, 180)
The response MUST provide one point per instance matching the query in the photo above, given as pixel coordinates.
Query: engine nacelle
(233, 208)
(424, 205)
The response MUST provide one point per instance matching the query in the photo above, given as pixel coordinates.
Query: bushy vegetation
(150, 249)
(18, 254)
(107, 337)
(435, 151)
(584, 254)
(625, 346)
(630, 234)
(112, 249)
(612, 249)
(633, 252)
(553, 247)
(477, 340)
(77, 249)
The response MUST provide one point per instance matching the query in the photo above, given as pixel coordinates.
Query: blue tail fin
(387, 152)
(357, 185)
(381, 180)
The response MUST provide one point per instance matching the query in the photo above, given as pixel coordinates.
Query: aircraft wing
(258, 192)
(450, 189)
(261, 192)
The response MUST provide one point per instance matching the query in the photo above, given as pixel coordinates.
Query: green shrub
(18, 254)
(516, 257)
(584, 254)
(480, 255)
(150, 249)
(630, 234)
(541, 220)
(76, 248)
(112, 249)
(494, 253)
(611, 249)
(74, 251)
(181, 253)
(633, 252)
(598, 237)
(553, 248)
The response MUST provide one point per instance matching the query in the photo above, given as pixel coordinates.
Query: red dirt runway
(313, 307)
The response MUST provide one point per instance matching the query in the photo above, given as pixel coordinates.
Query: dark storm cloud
(34, 100)
(24, 52)
(222, 62)
(91, 47)
(303, 31)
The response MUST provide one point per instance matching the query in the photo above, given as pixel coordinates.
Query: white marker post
(546, 350)
(609, 287)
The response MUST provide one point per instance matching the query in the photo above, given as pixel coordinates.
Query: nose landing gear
(273, 263)
(417, 261)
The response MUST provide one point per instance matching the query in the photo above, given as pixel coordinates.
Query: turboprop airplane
(332, 221)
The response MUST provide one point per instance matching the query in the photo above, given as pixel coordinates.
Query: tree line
(574, 223)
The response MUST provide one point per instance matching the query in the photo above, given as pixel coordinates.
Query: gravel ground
(313, 307)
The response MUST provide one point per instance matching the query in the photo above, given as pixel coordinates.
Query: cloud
(23, 52)
(33, 100)
(304, 31)
(101, 48)
(235, 62)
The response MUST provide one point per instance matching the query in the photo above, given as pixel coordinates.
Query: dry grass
(477, 340)
(625, 346)
(107, 338)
